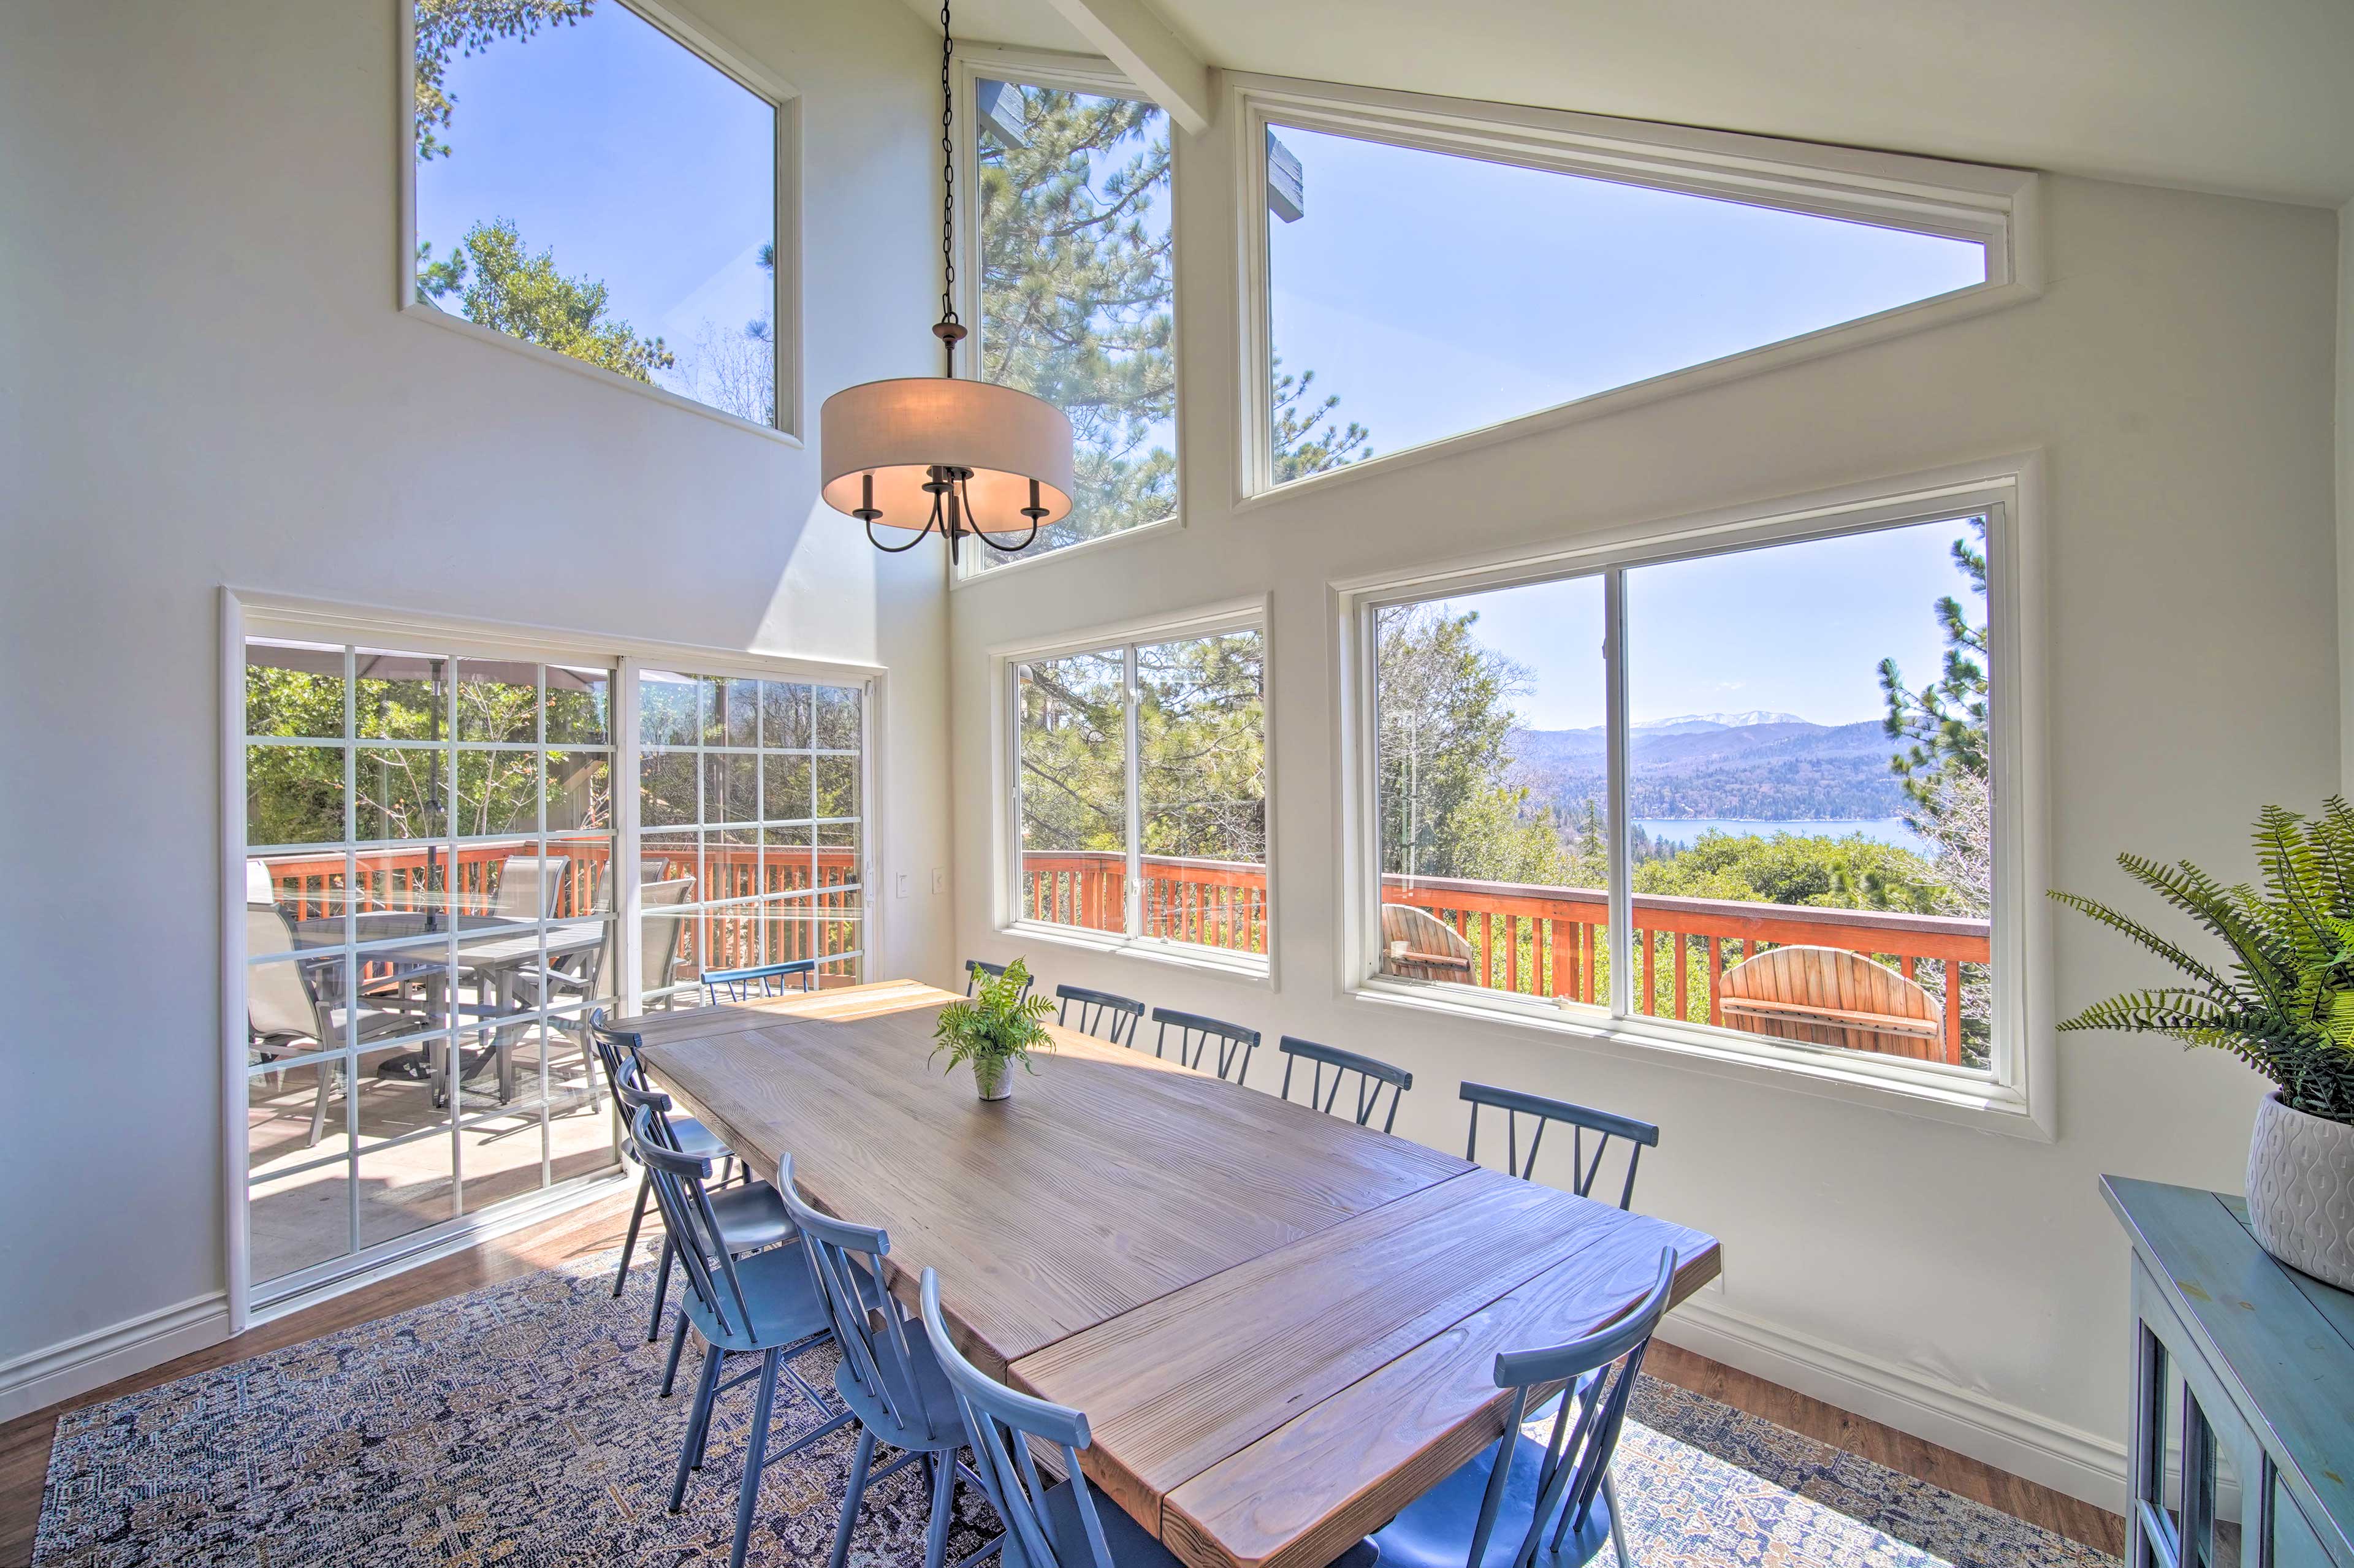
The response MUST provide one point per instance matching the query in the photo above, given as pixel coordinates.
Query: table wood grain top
(1282, 1326)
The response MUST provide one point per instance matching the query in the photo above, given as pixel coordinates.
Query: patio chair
(529, 885)
(1829, 996)
(1434, 949)
(594, 975)
(284, 1014)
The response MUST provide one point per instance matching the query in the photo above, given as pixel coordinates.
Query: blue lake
(1887, 830)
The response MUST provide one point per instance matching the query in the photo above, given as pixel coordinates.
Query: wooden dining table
(1281, 1326)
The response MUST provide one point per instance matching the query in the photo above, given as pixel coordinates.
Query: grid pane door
(752, 813)
(428, 920)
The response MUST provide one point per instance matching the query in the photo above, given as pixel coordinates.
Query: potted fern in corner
(2285, 1005)
(995, 1029)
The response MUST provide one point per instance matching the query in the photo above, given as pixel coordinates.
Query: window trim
(248, 613)
(1998, 206)
(1099, 77)
(1250, 614)
(713, 49)
(2016, 1097)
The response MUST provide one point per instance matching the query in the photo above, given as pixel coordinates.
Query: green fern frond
(2126, 926)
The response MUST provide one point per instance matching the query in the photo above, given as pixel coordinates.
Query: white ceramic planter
(2301, 1191)
(993, 1079)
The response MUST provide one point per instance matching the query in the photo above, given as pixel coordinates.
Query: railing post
(1715, 968)
(1954, 1012)
(1683, 993)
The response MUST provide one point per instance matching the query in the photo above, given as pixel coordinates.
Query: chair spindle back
(1372, 1075)
(1105, 1014)
(1000, 1424)
(1582, 1120)
(848, 1262)
(1196, 1034)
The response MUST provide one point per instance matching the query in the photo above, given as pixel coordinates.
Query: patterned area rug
(519, 1426)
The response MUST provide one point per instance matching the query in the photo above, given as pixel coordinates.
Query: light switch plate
(902, 885)
(939, 880)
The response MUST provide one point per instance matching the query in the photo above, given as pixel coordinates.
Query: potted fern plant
(995, 1029)
(2284, 1005)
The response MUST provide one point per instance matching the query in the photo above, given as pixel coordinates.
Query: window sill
(965, 577)
(1932, 1092)
(1253, 968)
(597, 373)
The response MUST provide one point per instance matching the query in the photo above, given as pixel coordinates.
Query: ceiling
(2247, 97)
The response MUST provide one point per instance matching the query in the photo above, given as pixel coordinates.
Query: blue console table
(2240, 1366)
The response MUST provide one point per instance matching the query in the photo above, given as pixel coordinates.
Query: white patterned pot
(993, 1079)
(2301, 1191)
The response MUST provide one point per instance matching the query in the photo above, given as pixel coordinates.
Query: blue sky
(1438, 295)
(638, 162)
(1797, 628)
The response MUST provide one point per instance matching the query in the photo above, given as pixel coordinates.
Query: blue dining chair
(1582, 1120)
(771, 1307)
(747, 1217)
(1531, 1503)
(614, 1047)
(1103, 1013)
(974, 968)
(1195, 1034)
(760, 979)
(888, 1377)
(1071, 1524)
(1372, 1077)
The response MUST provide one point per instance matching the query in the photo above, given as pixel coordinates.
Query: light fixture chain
(947, 172)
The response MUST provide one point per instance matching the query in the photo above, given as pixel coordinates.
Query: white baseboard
(2082, 1464)
(91, 1360)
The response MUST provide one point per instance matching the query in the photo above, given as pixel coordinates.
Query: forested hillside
(1781, 769)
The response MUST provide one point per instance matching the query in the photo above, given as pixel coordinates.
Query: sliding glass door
(433, 866)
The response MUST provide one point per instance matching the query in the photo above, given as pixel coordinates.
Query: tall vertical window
(751, 828)
(430, 838)
(1140, 800)
(1078, 298)
(1785, 830)
(586, 181)
(1416, 278)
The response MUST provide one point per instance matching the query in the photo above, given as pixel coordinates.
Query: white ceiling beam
(1160, 62)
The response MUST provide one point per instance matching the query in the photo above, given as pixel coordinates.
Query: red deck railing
(822, 925)
(1529, 940)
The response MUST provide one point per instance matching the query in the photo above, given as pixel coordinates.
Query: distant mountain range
(1770, 766)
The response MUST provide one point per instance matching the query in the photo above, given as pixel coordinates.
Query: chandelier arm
(972, 520)
(914, 539)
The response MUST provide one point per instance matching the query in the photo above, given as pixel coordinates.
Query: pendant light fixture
(922, 453)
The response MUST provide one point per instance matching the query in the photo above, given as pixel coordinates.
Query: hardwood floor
(24, 1442)
(2040, 1505)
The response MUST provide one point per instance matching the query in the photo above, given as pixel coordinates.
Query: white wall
(1963, 1284)
(207, 383)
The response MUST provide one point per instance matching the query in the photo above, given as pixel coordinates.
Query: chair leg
(677, 1345)
(630, 1242)
(662, 1290)
(936, 1535)
(756, 1458)
(698, 1422)
(319, 1106)
(852, 1496)
(1618, 1531)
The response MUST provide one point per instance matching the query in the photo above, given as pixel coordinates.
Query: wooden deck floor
(24, 1442)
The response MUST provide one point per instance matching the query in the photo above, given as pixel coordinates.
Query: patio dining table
(1282, 1326)
(494, 949)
